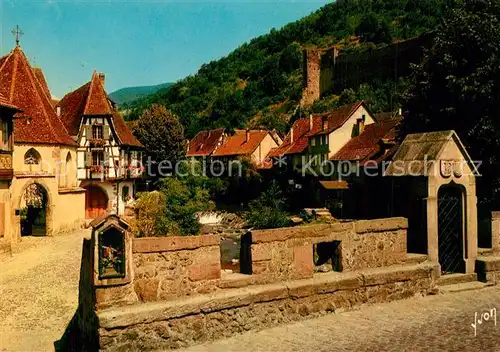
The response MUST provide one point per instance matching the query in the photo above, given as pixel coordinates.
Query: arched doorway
(451, 229)
(96, 202)
(34, 211)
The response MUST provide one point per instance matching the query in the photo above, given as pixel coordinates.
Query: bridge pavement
(433, 323)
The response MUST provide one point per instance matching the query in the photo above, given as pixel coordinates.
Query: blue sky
(136, 42)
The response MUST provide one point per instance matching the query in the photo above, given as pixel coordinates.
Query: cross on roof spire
(18, 33)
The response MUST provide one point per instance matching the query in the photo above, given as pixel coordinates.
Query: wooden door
(96, 202)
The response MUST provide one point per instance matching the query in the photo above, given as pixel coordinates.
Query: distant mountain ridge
(128, 94)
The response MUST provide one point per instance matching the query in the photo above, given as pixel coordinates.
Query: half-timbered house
(108, 160)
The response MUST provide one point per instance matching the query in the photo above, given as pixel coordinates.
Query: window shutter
(88, 158)
(105, 157)
(88, 131)
(105, 132)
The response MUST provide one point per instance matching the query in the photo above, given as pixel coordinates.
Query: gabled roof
(301, 133)
(336, 118)
(123, 131)
(97, 100)
(38, 123)
(205, 142)
(367, 144)
(72, 106)
(302, 129)
(243, 142)
(91, 100)
(420, 149)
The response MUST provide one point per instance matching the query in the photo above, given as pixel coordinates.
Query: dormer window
(97, 132)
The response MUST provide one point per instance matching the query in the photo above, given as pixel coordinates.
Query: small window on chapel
(32, 157)
(97, 132)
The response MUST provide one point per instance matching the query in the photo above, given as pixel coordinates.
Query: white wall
(338, 138)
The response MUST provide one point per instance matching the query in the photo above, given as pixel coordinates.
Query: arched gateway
(34, 210)
(444, 176)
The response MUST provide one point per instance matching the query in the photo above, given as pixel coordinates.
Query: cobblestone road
(432, 323)
(39, 291)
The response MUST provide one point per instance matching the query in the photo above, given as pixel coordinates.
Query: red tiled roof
(5, 103)
(301, 133)
(72, 106)
(205, 142)
(302, 129)
(41, 79)
(123, 131)
(388, 115)
(367, 144)
(97, 99)
(239, 144)
(336, 118)
(91, 99)
(38, 123)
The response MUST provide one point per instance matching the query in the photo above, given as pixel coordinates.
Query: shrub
(267, 211)
(183, 200)
(150, 214)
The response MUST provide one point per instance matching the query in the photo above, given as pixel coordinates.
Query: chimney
(291, 135)
(58, 111)
(247, 135)
(361, 124)
(102, 79)
(310, 122)
(324, 124)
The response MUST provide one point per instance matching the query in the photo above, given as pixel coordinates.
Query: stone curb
(380, 225)
(324, 283)
(172, 243)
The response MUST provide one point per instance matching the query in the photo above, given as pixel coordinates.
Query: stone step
(485, 251)
(415, 258)
(488, 268)
(464, 286)
(458, 278)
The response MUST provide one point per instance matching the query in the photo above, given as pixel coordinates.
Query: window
(125, 194)
(5, 135)
(313, 142)
(97, 157)
(97, 132)
(32, 157)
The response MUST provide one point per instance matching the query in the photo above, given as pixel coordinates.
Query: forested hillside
(126, 95)
(259, 84)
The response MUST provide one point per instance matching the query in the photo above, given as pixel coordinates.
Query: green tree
(267, 211)
(374, 30)
(161, 133)
(457, 86)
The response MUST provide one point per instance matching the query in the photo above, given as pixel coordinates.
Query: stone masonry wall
(312, 70)
(165, 268)
(190, 321)
(176, 295)
(287, 253)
